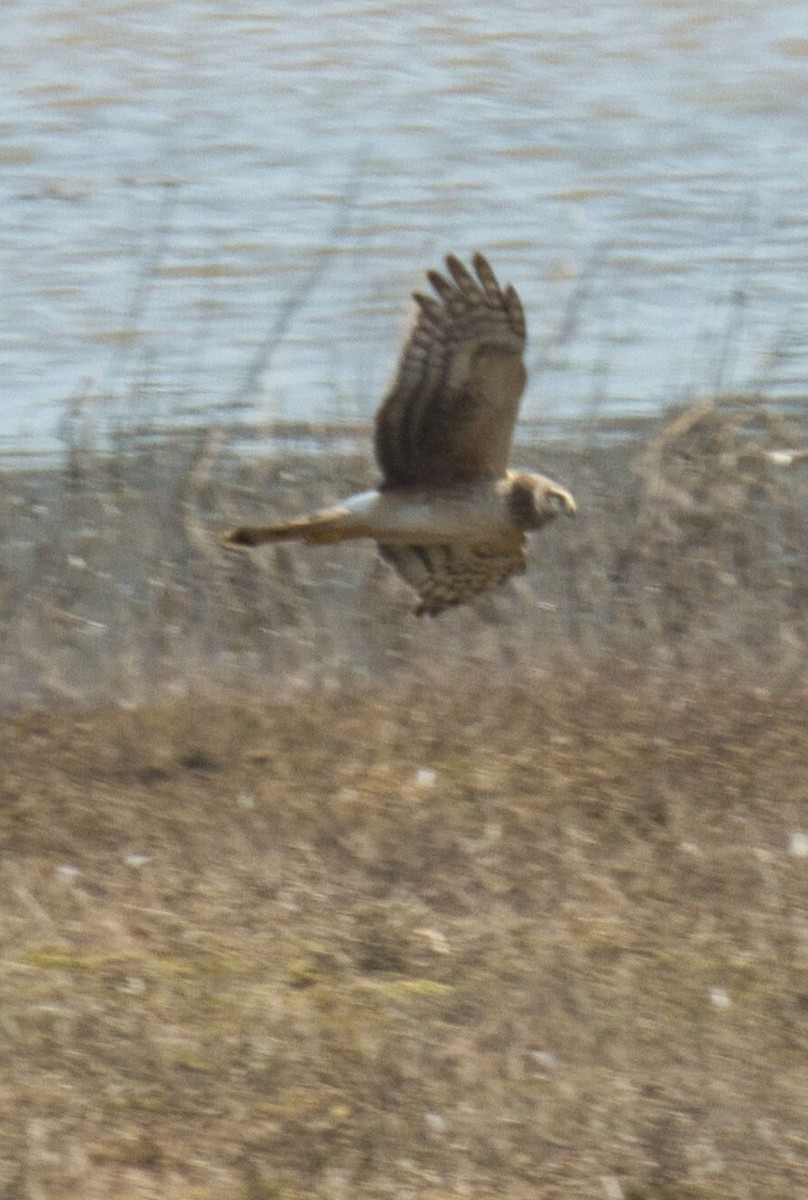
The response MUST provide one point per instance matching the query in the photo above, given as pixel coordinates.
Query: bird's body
(448, 515)
(419, 515)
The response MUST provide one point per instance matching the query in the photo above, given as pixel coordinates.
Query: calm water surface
(219, 209)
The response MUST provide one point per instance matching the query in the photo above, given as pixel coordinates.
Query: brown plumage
(448, 515)
(450, 412)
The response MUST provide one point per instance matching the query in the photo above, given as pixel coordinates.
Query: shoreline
(689, 551)
(97, 432)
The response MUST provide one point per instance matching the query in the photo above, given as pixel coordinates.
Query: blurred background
(302, 898)
(213, 217)
(216, 211)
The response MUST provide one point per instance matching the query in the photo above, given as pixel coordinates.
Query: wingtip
(440, 285)
(427, 304)
(460, 273)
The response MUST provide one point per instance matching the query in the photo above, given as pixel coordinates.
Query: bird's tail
(329, 525)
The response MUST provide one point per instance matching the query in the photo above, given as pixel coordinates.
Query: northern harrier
(448, 515)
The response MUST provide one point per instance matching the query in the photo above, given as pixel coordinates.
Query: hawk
(448, 514)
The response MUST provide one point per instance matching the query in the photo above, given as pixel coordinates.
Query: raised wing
(444, 576)
(449, 414)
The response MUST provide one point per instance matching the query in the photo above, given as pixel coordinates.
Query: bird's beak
(563, 501)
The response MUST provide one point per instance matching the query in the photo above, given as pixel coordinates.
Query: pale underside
(448, 543)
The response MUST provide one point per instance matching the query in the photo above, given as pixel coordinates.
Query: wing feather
(447, 575)
(449, 414)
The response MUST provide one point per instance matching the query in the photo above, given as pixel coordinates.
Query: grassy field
(304, 899)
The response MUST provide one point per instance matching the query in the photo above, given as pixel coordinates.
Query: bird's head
(533, 500)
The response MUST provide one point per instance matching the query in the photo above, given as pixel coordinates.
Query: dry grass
(549, 940)
(690, 550)
(302, 899)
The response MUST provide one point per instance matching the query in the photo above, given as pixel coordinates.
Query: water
(187, 185)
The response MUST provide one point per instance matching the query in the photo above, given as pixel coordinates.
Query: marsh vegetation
(304, 898)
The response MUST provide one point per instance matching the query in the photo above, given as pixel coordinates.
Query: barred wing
(449, 414)
(444, 576)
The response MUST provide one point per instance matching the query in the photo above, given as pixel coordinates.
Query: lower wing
(444, 576)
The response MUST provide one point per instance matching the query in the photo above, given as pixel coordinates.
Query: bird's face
(533, 500)
(559, 500)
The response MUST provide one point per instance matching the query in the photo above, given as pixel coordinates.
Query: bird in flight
(448, 514)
